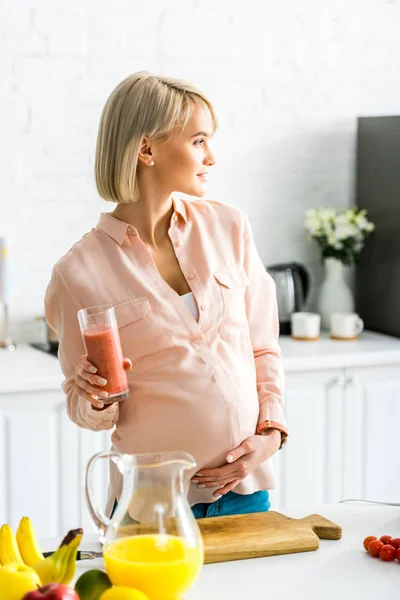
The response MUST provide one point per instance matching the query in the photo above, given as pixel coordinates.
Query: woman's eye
(199, 142)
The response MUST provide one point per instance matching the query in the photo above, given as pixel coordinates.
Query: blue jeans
(230, 504)
(233, 504)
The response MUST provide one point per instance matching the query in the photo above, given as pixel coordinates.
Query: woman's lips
(203, 176)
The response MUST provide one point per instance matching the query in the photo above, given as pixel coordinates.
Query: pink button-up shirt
(198, 386)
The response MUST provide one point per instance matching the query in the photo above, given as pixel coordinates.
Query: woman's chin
(199, 190)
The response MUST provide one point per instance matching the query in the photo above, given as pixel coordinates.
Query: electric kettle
(292, 282)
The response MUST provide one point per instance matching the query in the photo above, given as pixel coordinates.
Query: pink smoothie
(103, 350)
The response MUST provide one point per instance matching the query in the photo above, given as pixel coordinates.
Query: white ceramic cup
(346, 326)
(305, 325)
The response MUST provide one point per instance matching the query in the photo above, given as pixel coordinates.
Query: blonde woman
(196, 310)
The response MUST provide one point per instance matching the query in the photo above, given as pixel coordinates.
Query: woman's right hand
(88, 385)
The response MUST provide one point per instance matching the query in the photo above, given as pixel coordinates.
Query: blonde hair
(141, 105)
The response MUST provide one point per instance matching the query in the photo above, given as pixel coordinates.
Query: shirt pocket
(232, 286)
(144, 339)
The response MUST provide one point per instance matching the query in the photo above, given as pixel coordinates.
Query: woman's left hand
(241, 461)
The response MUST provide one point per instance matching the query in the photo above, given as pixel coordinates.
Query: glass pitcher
(152, 541)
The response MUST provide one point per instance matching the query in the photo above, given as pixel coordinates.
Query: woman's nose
(210, 159)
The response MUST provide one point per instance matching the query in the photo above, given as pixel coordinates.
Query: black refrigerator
(378, 190)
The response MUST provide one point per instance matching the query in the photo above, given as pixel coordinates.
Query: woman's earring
(151, 163)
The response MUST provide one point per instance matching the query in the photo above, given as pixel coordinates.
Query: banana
(9, 551)
(28, 543)
(60, 567)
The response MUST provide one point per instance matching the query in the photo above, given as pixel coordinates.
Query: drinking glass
(98, 325)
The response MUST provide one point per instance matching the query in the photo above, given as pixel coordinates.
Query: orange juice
(162, 566)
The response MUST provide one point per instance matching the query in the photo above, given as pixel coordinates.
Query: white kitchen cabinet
(344, 427)
(42, 462)
(308, 467)
(371, 463)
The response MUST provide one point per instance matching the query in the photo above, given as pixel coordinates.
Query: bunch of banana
(9, 551)
(28, 543)
(60, 567)
(24, 548)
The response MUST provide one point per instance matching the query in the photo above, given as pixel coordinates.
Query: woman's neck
(149, 216)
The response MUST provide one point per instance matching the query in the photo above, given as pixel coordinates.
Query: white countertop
(370, 349)
(29, 369)
(338, 569)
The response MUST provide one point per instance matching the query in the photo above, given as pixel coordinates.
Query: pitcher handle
(99, 518)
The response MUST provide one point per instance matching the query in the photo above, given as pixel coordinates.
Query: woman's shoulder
(76, 256)
(215, 209)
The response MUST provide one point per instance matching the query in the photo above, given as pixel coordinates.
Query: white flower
(343, 219)
(312, 223)
(332, 228)
(345, 230)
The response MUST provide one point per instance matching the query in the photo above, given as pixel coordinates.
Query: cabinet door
(42, 463)
(372, 433)
(309, 466)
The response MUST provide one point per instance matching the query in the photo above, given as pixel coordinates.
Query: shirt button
(175, 217)
(178, 244)
(203, 306)
(191, 276)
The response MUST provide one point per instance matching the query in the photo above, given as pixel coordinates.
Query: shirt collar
(117, 229)
(113, 227)
(180, 207)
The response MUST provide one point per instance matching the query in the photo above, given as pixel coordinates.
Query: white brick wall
(288, 80)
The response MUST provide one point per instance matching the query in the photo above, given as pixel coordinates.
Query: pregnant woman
(196, 310)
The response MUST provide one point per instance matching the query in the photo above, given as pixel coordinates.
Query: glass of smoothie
(100, 336)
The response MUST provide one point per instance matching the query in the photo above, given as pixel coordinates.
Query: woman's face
(181, 163)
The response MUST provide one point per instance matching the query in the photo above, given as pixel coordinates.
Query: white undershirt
(191, 304)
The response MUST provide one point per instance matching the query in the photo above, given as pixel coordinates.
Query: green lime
(92, 584)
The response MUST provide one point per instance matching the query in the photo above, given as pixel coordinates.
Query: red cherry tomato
(368, 540)
(374, 548)
(387, 552)
(398, 554)
(395, 542)
(386, 539)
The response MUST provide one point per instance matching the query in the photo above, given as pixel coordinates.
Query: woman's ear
(145, 154)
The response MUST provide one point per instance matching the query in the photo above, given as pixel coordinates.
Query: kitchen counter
(338, 569)
(29, 369)
(370, 349)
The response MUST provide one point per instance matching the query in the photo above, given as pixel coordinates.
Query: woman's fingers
(127, 364)
(211, 484)
(92, 379)
(88, 385)
(83, 361)
(89, 397)
(227, 488)
(85, 384)
(236, 470)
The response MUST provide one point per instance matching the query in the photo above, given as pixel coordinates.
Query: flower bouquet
(341, 236)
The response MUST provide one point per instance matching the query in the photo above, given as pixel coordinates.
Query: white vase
(335, 295)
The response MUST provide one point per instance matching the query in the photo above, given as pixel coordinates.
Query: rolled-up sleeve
(61, 308)
(262, 316)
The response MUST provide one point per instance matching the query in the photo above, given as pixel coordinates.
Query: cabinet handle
(332, 382)
(351, 380)
(341, 381)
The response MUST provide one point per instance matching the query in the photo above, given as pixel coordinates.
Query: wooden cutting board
(263, 534)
